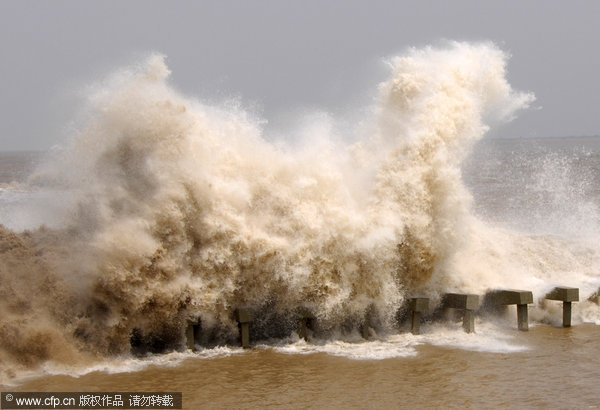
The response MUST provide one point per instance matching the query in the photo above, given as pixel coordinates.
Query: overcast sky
(283, 57)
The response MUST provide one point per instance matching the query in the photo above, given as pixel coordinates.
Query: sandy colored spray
(174, 210)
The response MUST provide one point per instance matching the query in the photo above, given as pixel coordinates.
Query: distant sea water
(17, 166)
(165, 211)
(538, 185)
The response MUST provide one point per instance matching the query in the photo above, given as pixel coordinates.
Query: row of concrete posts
(494, 301)
(468, 304)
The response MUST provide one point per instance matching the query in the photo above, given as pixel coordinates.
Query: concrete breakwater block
(503, 297)
(461, 301)
(509, 297)
(468, 303)
(566, 295)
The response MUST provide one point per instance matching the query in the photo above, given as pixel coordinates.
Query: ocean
(162, 211)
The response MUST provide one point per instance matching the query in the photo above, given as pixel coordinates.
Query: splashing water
(164, 209)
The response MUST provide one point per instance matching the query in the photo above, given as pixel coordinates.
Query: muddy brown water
(560, 369)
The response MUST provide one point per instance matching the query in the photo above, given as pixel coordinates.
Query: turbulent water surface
(162, 209)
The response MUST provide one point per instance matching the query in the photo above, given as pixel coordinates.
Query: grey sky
(284, 56)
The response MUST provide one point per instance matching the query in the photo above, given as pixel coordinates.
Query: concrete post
(369, 322)
(522, 317)
(418, 306)
(469, 321)
(303, 328)
(244, 317)
(416, 323)
(197, 333)
(306, 324)
(192, 334)
(245, 334)
(365, 331)
(189, 336)
(566, 314)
